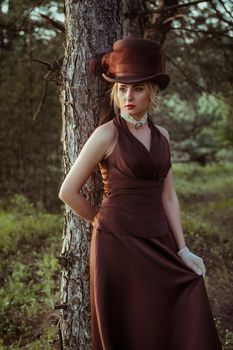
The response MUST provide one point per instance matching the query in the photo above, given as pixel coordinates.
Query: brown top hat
(134, 60)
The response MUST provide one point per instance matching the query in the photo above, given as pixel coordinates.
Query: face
(133, 99)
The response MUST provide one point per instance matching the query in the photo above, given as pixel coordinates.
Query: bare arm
(172, 210)
(92, 152)
(171, 205)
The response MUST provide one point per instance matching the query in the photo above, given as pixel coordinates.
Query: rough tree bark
(91, 28)
(133, 18)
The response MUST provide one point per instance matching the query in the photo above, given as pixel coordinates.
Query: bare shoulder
(93, 151)
(107, 131)
(103, 138)
(163, 131)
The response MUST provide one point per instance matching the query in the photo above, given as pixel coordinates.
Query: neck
(137, 117)
(137, 123)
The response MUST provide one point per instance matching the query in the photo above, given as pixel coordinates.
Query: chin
(137, 114)
(131, 112)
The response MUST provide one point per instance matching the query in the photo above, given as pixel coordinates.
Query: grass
(31, 239)
(205, 195)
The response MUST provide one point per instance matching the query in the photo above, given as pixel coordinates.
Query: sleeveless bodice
(133, 179)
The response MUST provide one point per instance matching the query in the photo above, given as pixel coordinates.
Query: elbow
(63, 194)
(67, 194)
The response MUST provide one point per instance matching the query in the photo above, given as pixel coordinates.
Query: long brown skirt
(143, 297)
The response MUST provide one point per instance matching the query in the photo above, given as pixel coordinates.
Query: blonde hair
(153, 91)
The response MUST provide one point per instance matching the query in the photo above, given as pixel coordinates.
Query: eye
(121, 88)
(139, 88)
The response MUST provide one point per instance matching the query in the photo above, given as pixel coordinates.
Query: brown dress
(143, 297)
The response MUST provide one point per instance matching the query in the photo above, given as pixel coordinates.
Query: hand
(192, 260)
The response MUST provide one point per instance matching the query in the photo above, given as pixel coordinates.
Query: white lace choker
(136, 123)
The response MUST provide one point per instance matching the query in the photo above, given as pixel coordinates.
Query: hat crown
(136, 42)
(135, 59)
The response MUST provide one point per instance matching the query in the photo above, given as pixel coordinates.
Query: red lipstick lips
(130, 106)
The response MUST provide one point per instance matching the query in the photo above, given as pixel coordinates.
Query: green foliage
(227, 336)
(205, 195)
(197, 107)
(228, 341)
(213, 178)
(46, 341)
(206, 203)
(24, 223)
(29, 269)
(199, 129)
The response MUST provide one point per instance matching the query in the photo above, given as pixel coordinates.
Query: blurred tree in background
(29, 106)
(198, 108)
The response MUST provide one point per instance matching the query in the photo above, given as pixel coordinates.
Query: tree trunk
(91, 28)
(133, 18)
(159, 24)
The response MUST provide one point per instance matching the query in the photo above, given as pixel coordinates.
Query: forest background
(197, 111)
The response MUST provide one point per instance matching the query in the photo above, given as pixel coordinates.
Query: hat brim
(162, 79)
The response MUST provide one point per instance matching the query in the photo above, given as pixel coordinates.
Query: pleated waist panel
(136, 212)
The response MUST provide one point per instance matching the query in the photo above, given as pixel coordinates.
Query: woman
(147, 289)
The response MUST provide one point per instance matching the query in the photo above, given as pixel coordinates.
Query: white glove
(192, 260)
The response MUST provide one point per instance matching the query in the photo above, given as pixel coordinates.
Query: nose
(129, 95)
